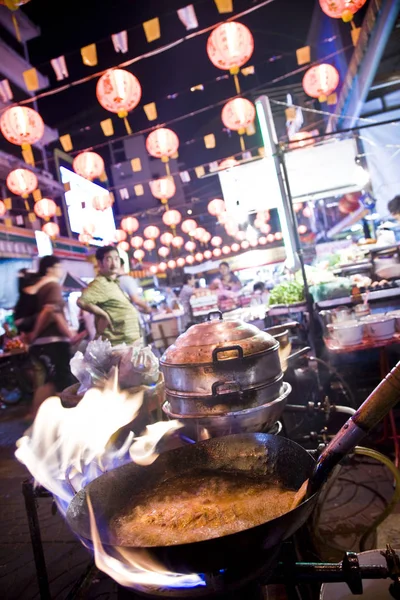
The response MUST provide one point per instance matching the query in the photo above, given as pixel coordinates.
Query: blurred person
(128, 284)
(394, 207)
(260, 290)
(50, 337)
(116, 319)
(185, 294)
(227, 280)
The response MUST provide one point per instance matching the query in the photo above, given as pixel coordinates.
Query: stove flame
(67, 448)
(126, 566)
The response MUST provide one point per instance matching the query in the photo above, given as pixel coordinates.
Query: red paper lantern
(265, 228)
(172, 218)
(349, 203)
(166, 238)
(216, 207)
(22, 126)
(262, 240)
(235, 247)
(278, 236)
(238, 114)
(245, 244)
(263, 216)
(153, 269)
(190, 260)
(190, 246)
(171, 264)
(270, 238)
(124, 246)
(162, 266)
(341, 9)
(297, 207)
(216, 240)
(206, 237)
(137, 242)
(45, 208)
(320, 81)
(89, 165)
(226, 250)
(130, 224)
(85, 238)
(120, 235)
(177, 241)
(198, 256)
(21, 182)
(307, 212)
(3, 209)
(207, 254)
(241, 235)
(180, 262)
(102, 203)
(228, 163)
(163, 251)
(302, 229)
(151, 232)
(52, 229)
(198, 233)
(230, 46)
(162, 143)
(188, 225)
(254, 243)
(139, 254)
(223, 217)
(118, 91)
(217, 252)
(149, 245)
(163, 189)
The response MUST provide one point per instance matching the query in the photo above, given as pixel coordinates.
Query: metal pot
(251, 420)
(226, 396)
(218, 351)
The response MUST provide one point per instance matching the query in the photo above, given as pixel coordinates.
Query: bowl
(380, 327)
(348, 333)
(396, 315)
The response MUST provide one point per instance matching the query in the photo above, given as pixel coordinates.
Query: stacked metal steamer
(224, 377)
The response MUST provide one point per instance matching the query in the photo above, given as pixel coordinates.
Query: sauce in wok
(198, 506)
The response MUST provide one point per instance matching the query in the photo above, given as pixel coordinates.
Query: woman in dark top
(50, 336)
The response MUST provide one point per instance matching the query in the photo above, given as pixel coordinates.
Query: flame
(127, 566)
(67, 448)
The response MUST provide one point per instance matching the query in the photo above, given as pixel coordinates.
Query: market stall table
(371, 344)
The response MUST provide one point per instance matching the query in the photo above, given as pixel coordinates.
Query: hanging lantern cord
(124, 115)
(242, 142)
(167, 169)
(237, 84)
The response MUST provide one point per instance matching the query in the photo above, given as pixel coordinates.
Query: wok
(261, 456)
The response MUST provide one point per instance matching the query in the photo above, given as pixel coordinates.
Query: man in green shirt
(116, 319)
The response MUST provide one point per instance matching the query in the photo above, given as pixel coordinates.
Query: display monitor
(79, 194)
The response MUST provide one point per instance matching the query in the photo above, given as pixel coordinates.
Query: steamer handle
(236, 348)
(233, 384)
(214, 312)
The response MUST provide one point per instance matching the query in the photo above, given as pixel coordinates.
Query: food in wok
(200, 505)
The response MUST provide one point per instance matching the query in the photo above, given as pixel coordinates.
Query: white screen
(43, 243)
(314, 172)
(80, 209)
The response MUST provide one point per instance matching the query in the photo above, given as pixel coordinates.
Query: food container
(380, 326)
(362, 310)
(396, 315)
(226, 397)
(250, 420)
(347, 333)
(218, 352)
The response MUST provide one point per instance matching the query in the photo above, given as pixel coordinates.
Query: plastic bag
(92, 368)
(137, 366)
